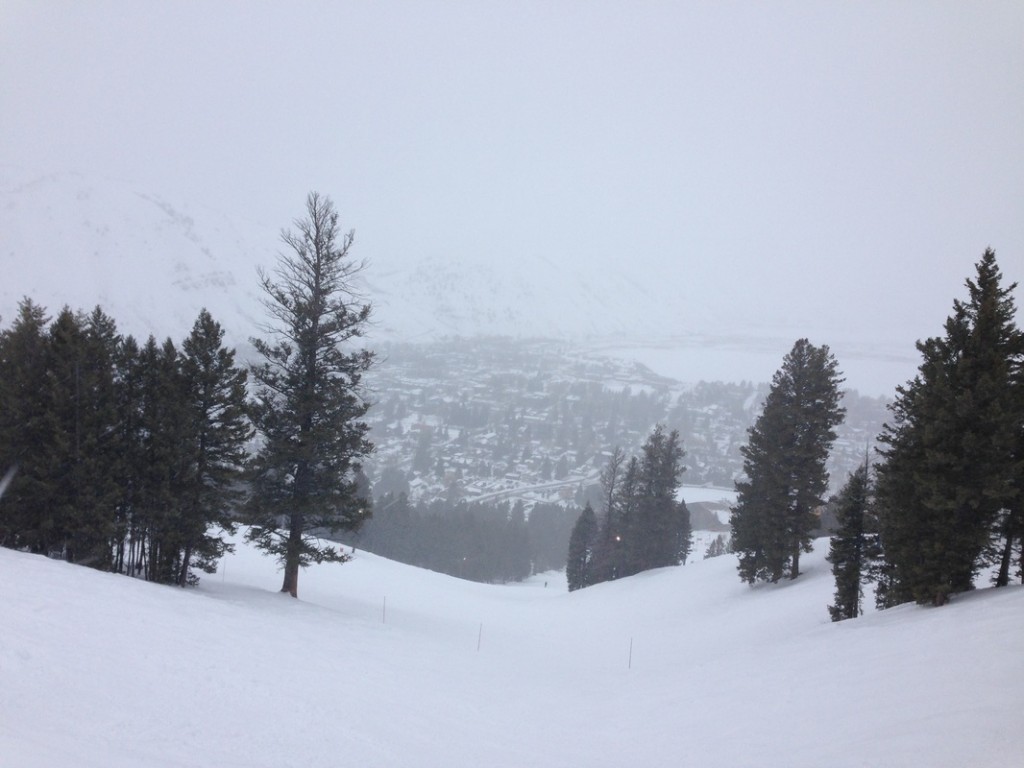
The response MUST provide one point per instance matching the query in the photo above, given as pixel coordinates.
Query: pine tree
(660, 534)
(127, 535)
(644, 526)
(854, 545)
(607, 558)
(81, 487)
(784, 465)
(582, 542)
(218, 432)
(950, 481)
(309, 407)
(716, 548)
(162, 465)
(626, 541)
(99, 452)
(24, 429)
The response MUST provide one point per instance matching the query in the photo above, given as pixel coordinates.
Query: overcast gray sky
(824, 166)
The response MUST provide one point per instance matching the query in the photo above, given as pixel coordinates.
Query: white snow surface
(381, 664)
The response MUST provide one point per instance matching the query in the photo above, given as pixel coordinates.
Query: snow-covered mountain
(380, 664)
(153, 262)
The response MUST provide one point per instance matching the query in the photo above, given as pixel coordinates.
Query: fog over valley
(704, 184)
(559, 383)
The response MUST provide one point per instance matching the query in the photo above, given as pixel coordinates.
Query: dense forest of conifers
(941, 502)
(133, 458)
(126, 458)
(491, 542)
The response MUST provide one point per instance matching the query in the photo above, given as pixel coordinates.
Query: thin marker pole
(630, 653)
(479, 637)
(384, 611)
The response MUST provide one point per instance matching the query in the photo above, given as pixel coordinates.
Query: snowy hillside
(152, 263)
(384, 665)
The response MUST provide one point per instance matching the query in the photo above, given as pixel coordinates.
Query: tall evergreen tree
(582, 542)
(162, 465)
(218, 431)
(128, 387)
(24, 430)
(607, 558)
(854, 545)
(79, 386)
(784, 465)
(309, 405)
(626, 539)
(662, 530)
(644, 526)
(950, 481)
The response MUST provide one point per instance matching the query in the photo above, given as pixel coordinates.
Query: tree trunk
(1003, 579)
(292, 557)
(291, 577)
(185, 560)
(795, 570)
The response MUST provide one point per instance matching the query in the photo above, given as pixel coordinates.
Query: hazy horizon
(781, 170)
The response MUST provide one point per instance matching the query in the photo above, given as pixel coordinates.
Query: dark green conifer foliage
(163, 461)
(854, 546)
(82, 450)
(949, 484)
(58, 427)
(127, 535)
(100, 452)
(627, 541)
(218, 429)
(660, 533)
(309, 406)
(25, 429)
(604, 561)
(582, 543)
(784, 465)
(62, 442)
(716, 548)
(515, 550)
(643, 526)
(125, 456)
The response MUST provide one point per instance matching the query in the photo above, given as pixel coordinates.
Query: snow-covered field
(381, 664)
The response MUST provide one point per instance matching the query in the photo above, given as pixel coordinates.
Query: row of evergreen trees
(126, 457)
(131, 459)
(489, 542)
(947, 499)
(643, 525)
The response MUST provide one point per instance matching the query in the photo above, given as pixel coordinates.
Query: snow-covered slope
(152, 263)
(385, 665)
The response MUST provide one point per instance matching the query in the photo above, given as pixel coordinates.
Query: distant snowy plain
(381, 664)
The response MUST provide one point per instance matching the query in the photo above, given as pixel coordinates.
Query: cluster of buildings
(501, 419)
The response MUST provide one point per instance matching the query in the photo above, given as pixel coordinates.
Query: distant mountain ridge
(150, 263)
(153, 263)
